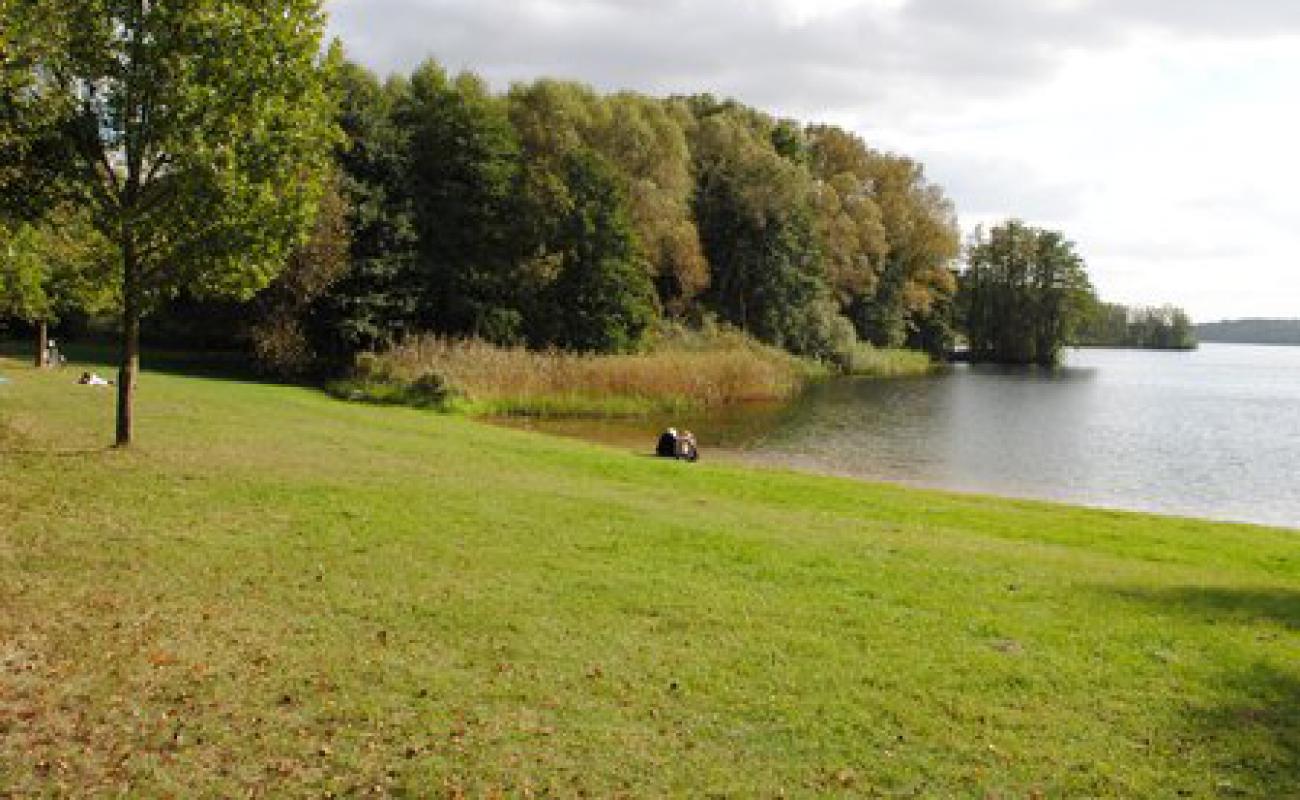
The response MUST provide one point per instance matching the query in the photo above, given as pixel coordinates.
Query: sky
(1161, 136)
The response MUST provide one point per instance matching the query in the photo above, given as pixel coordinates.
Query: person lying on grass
(93, 379)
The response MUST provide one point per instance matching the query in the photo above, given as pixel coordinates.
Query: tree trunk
(42, 344)
(130, 367)
(126, 377)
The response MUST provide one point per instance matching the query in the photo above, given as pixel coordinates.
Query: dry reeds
(679, 372)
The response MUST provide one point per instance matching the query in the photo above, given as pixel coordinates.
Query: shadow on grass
(1253, 735)
(1215, 605)
(1249, 728)
(103, 357)
(217, 364)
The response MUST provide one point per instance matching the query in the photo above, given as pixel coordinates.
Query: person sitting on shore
(667, 447)
(687, 450)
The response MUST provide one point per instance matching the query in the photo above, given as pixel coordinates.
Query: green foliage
(916, 279)
(588, 280)
(24, 276)
(850, 225)
(463, 178)
(194, 130)
(1025, 292)
(889, 238)
(29, 120)
(280, 339)
(467, 211)
(475, 214)
(374, 380)
(754, 211)
(644, 140)
(1157, 328)
(54, 267)
(194, 134)
(879, 362)
(599, 299)
(369, 307)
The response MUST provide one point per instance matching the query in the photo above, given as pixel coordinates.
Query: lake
(1212, 433)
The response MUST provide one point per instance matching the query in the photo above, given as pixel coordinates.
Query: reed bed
(681, 371)
(886, 362)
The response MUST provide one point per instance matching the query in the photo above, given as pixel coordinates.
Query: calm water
(1212, 433)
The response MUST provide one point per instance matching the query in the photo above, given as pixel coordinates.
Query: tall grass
(681, 370)
(886, 362)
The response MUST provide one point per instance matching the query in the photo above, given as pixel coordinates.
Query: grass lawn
(277, 593)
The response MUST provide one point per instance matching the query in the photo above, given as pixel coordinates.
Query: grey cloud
(1211, 18)
(986, 186)
(1169, 249)
(750, 50)
(730, 47)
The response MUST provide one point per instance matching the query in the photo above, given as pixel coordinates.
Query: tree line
(554, 216)
(1251, 331)
(212, 160)
(1149, 327)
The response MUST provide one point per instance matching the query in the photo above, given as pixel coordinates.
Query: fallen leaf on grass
(161, 658)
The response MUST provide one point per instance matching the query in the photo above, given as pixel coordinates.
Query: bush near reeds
(682, 369)
(885, 362)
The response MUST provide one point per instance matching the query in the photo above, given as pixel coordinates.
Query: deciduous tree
(194, 132)
(51, 268)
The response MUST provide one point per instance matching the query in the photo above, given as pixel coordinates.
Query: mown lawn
(277, 593)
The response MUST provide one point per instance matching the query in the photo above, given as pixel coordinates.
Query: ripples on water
(1211, 433)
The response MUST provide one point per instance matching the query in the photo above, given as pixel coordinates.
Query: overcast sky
(1162, 136)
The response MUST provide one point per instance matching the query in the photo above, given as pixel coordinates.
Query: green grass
(278, 594)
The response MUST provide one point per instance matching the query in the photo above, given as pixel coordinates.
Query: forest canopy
(552, 215)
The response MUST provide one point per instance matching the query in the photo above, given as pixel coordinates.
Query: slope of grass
(279, 594)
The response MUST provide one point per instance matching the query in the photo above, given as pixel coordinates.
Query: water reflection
(1215, 433)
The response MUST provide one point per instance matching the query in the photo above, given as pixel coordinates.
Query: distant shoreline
(1256, 344)
(1134, 347)
(1251, 331)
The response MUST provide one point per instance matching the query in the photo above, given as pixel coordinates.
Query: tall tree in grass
(195, 132)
